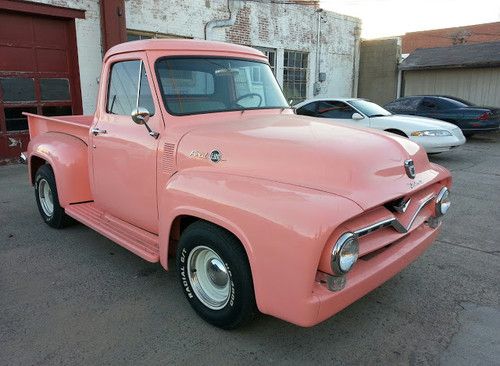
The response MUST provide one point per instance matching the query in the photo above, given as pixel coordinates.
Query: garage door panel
(477, 85)
(15, 27)
(38, 74)
(16, 59)
(50, 32)
(49, 60)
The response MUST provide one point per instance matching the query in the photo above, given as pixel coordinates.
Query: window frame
(137, 88)
(266, 51)
(143, 35)
(287, 68)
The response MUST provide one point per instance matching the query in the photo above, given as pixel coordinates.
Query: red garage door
(38, 74)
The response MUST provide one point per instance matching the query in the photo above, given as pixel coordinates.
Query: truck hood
(362, 165)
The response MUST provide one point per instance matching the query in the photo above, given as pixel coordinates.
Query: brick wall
(280, 25)
(489, 32)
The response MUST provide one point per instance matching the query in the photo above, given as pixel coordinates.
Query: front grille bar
(394, 222)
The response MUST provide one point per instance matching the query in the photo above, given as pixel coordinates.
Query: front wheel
(215, 275)
(47, 200)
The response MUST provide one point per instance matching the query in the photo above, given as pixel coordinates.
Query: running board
(138, 241)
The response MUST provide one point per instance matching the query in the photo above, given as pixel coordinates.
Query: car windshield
(369, 109)
(204, 85)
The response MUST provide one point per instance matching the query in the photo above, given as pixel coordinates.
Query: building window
(135, 35)
(295, 75)
(271, 56)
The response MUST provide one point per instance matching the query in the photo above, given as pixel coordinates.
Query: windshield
(204, 85)
(369, 109)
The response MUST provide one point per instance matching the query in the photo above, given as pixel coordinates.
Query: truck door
(123, 153)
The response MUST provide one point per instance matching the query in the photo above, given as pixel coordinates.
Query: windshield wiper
(378, 115)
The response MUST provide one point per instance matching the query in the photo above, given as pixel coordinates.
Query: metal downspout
(221, 23)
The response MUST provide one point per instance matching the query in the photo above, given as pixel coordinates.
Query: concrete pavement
(73, 297)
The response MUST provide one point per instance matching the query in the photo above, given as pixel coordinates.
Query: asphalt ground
(74, 297)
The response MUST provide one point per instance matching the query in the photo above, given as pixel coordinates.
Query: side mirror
(356, 116)
(140, 115)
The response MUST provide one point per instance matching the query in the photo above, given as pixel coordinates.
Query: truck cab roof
(190, 45)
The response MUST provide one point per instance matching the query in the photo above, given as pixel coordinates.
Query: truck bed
(77, 126)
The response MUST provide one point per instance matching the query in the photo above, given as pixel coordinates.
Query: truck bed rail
(77, 126)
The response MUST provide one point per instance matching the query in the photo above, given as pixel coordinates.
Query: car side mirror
(140, 116)
(356, 116)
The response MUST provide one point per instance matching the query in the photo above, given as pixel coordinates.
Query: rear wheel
(215, 275)
(47, 199)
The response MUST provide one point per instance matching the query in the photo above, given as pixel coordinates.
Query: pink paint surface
(287, 186)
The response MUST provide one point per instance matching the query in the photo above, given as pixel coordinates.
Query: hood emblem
(215, 156)
(410, 168)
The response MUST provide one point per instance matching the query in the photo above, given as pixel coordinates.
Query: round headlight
(344, 254)
(443, 202)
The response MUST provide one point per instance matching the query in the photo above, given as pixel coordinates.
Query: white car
(434, 135)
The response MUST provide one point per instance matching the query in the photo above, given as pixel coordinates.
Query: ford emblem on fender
(215, 156)
(410, 168)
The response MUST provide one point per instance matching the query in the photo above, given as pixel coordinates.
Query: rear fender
(282, 228)
(68, 157)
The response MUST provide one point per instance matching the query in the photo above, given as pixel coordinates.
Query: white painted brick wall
(292, 27)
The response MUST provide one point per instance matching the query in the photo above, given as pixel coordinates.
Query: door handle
(97, 131)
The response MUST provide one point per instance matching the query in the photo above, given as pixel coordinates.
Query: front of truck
(326, 212)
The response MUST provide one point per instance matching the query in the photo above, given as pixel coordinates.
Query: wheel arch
(35, 162)
(396, 132)
(182, 217)
(68, 157)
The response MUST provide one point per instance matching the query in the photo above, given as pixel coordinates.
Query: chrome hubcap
(45, 197)
(209, 277)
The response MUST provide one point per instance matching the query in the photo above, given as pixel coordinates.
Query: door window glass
(54, 89)
(404, 105)
(308, 109)
(124, 94)
(333, 109)
(17, 89)
(428, 105)
(14, 119)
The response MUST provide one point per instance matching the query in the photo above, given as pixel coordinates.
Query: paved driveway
(74, 297)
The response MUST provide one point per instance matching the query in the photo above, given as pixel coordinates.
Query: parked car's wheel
(215, 275)
(47, 199)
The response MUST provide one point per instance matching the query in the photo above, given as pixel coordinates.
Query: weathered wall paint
(277, 26)
(378, 70)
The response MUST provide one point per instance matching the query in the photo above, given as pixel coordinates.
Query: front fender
(68, 157)
(283, 229)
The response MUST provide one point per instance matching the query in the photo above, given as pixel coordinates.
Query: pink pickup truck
(194, 153)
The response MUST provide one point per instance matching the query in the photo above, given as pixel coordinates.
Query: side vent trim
(167, 161)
